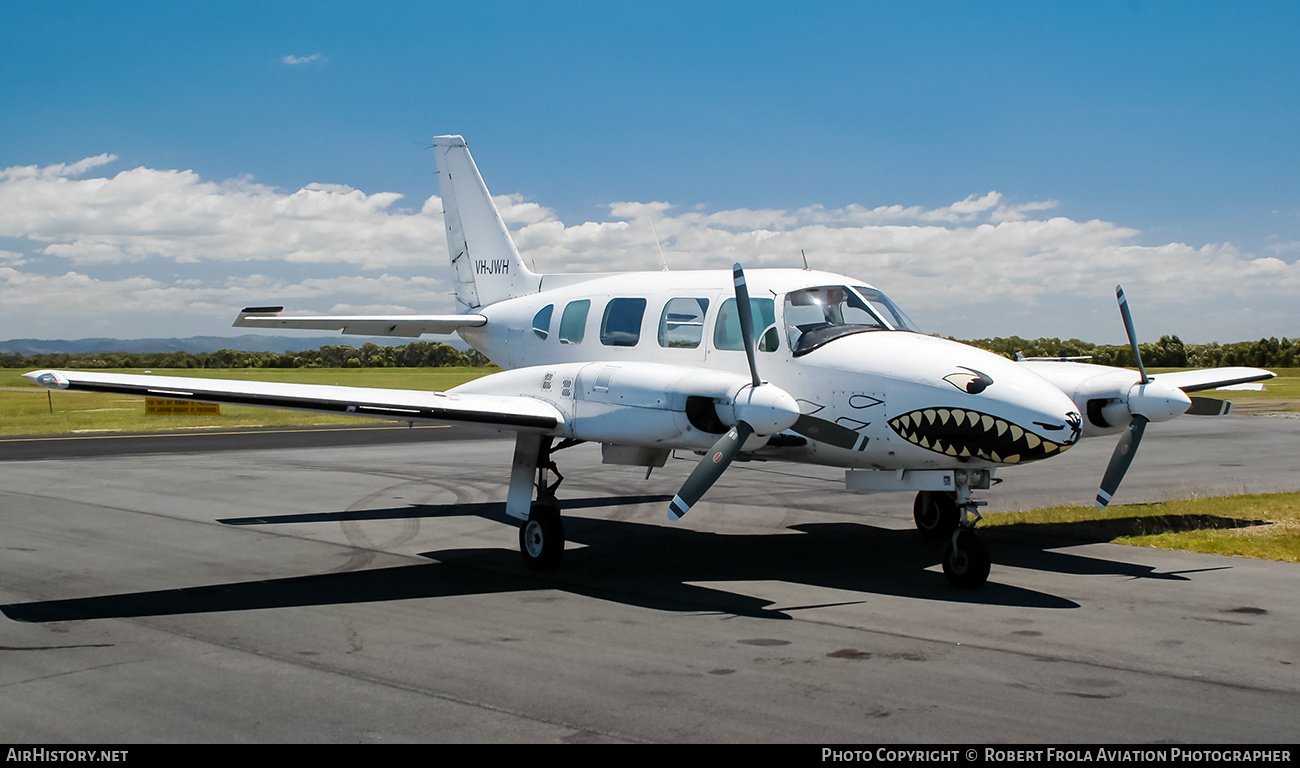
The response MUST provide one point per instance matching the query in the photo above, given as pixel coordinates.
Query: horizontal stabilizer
(410, 326)
(509, 412)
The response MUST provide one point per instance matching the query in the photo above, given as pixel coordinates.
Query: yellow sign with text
(156, 406)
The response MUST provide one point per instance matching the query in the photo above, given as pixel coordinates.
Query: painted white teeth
(973, 432)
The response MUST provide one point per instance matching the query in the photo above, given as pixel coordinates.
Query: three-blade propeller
(1148, 400)
(764, 405)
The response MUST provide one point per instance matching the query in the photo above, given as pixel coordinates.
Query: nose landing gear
(952, 515)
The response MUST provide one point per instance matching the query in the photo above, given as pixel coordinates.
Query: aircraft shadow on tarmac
(658, 567)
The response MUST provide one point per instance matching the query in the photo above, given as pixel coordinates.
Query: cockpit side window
(726, 329)
(814, 316)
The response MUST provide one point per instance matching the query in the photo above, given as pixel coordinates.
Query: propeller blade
(1120, 459)
(710, 468)
(1209, 406)
(746, 314)
(1132, 334)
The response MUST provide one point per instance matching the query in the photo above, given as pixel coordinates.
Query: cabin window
(726, 331)
(682, 323)
(542, 322)
(573, 323)
(621, 326)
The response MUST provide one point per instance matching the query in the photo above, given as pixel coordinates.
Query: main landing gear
(951, 516)
(541, 537)
(541, 534)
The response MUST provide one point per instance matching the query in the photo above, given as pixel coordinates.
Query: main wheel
(967, 564)
(935, 513)
(541, 538)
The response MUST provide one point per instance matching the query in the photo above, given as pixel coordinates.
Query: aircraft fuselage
(631, 354)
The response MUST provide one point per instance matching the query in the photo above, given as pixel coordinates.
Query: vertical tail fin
(486, 263)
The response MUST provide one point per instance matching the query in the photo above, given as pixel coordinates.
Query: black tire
(966, 566)
(935, 513)
(541, 538)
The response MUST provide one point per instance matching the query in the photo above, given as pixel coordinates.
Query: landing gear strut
(952, 515)
(541, 535)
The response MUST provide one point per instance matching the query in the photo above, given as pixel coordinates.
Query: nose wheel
(951, 516)
(936, 514)
(966, 559)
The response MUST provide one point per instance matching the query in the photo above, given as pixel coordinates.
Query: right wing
(508, 411)
(363, 325)
(1212, 378)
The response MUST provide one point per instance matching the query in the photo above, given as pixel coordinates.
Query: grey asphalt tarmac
(361, 590)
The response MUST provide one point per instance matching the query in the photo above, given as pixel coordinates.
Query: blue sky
(1149, 143)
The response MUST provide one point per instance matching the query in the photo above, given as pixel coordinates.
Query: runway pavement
(371, 591)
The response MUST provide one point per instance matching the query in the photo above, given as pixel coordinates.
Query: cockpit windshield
(814, 316)
(886, 309)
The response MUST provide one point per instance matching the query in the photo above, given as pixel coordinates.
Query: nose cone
(974, 404)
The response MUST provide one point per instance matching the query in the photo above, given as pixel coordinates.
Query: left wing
(511, 412)
(363, 325)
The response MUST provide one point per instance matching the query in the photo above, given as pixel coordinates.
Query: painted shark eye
(973, 382)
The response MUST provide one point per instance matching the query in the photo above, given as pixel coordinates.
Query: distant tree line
(418, 354)
(1169, 352)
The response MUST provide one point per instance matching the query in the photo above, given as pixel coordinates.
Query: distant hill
(197, 344)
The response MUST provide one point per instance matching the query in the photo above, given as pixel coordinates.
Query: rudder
(486, 264)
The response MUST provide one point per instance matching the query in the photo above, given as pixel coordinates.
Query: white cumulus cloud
(120, 254)
(294, 61)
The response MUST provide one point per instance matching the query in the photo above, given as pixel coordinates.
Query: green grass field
(1265, 526)
(27, 409)
(1279, 394)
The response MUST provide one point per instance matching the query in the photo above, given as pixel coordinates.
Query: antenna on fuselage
(805, 260)
(657, 245)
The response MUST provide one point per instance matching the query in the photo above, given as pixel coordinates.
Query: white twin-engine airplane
(771, 364)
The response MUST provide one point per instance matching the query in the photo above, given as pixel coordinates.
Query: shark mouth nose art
(964, 433)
